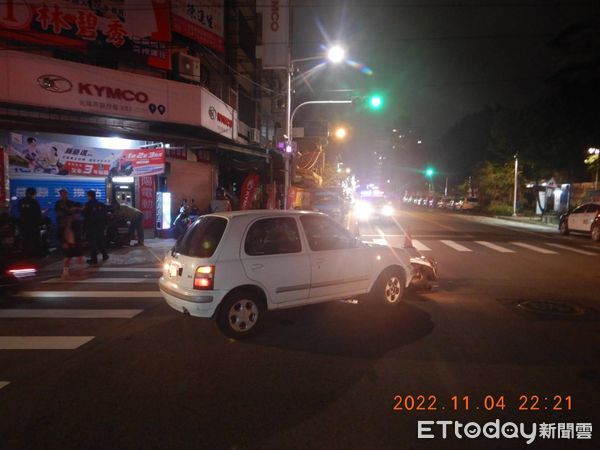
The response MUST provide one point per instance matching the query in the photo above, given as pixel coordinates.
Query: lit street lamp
(336, 54)
(340, 133)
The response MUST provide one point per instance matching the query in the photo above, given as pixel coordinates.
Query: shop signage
(248, 189)
(200, 21)
(275, 33)
(144, 32)
(218, 116)
(46, 82)
(148, 200)
(30, 155)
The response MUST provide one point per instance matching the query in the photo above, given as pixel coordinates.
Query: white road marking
(69, 313)
(455, 246)
(420, 246)
(571, 249)
(380, 241)
(43, 342)
(593, 247)
(498, 248)
(89, 294)
(127, 269)
(104, 280)
(545, 251)
(4, 384)
(386, 235)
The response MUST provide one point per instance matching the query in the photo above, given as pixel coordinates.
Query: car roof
(249, 213)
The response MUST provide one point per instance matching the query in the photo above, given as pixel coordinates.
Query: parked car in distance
(467, 204)
(329, 201)
(235, 266)
(583, 219)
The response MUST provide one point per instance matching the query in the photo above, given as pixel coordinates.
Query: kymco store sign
(47, 82)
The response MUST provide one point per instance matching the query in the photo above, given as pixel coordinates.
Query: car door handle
(256, 266)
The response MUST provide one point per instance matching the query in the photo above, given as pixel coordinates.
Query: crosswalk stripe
(455, 246)
(380, 241)
(572, 249)
(420, 246)
(534, 248)
(498, 248)
(89, 294)
(69, 313)
(43, 342)
(4, 384)
(103, 280)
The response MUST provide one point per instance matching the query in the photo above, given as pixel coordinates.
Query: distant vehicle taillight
(204, 278)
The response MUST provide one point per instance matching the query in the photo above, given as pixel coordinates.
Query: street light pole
(288, 145)
(516, 180)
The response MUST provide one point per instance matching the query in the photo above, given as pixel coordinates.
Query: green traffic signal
(375, 102)
(429, 172)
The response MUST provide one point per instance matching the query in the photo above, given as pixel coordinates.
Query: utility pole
(515, 187)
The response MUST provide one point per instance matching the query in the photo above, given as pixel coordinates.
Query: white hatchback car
(234, 266)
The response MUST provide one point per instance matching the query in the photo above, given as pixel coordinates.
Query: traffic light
(429, 172)
(375, 102)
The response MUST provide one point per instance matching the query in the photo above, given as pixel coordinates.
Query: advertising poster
(248, 189)
(31, 155)
(3, 176)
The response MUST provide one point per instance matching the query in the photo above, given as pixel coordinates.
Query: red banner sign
(248, 188)
(291, 197)
(148, 200)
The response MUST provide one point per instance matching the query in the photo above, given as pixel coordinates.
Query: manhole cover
(551, 307)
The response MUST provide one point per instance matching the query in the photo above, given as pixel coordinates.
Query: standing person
(30, 218)
(71, 242)
(63, 209)
(136, 221)
(94, 214)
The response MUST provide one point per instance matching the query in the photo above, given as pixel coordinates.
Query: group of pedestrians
(77, 225)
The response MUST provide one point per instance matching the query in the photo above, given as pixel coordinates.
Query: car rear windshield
(202, 238)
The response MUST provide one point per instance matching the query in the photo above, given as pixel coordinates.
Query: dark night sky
(437, 60)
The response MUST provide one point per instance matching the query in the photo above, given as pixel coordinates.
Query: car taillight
(204, 278)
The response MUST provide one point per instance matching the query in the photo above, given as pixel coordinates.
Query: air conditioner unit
(254, 135)
(187, 66)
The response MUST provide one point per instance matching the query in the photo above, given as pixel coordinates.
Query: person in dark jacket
(94, 214)
(30, 218)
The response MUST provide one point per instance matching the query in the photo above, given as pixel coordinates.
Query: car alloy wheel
(243, 315)
(390, 286)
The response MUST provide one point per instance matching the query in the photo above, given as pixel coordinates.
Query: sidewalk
(151, 254)
(546, 221)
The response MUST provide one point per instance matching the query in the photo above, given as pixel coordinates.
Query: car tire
(596, 233)
(390, 286)
(564, 228)
(241, 314)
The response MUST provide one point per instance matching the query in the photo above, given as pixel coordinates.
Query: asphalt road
(102, 362)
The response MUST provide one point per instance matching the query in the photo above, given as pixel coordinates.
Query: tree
(494, 182)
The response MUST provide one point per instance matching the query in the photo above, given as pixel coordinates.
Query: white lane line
(104, 280)
(593, 247)
(89, 294)
(420, 246)
(43, 342)
(498, 248)
(545, 251)
(69, 313)
(380, 241)
(571, 249)
(4, 384)
(386, 235)
(127, 269)
(455, 246)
